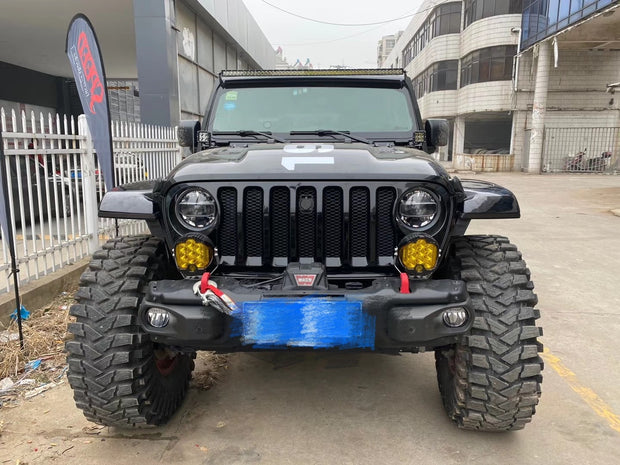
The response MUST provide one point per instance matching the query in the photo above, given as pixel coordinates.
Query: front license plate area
(318, 323)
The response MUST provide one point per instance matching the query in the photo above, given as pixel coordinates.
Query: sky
(327, 45)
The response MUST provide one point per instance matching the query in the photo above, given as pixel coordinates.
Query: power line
(336, 24)
(430, 7)
(332, 40)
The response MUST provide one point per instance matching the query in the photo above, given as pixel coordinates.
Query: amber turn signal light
(193, 255)
(419, 255)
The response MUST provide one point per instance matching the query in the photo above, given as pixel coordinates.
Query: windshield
(284, 109)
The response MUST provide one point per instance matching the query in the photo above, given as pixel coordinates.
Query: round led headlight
(417, 209)
(196, 209)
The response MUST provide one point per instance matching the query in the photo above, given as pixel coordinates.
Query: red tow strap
(205, 286)
(404, 284)
(204, 283)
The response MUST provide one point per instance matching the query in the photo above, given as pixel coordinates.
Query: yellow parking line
(588, 395)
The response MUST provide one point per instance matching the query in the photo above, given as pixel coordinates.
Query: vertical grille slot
(386, 234)
(227, 231)
(359, 223)
(279, 202)
(333, 225)
(253, 224)
(306, 223)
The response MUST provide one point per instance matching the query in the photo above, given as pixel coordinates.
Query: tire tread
(494, 382)
(111, 360)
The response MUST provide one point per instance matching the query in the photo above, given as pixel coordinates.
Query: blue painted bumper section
(306, 322)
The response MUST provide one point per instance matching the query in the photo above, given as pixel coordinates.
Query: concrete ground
(279, 408)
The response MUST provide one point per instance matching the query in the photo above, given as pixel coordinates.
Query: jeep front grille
(339, 225)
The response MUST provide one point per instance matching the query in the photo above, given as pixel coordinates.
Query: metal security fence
(54, 186)
(141, 152)
(581, 150)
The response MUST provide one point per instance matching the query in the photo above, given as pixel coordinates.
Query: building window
(488, 64)
(442, 75)
(439, 76)
(444, 19)
(543, 18)
(474, 10)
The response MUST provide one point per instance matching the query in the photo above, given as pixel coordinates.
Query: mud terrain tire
(490, 380)
(119, 377)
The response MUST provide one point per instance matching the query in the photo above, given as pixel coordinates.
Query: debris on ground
(41, 364)
(33, 365)
(23, 313)
(209, 367)
(6, 384)
(7, 336)
(38, 390)
(93, 429)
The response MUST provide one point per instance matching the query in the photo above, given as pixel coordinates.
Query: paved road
(378, 409)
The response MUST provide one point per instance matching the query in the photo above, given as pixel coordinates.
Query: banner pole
(15, 272)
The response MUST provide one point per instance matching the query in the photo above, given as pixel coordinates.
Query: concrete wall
(578, 83)
(204, 49)
(26, 86)
(183, 45)
(239, 28)
(439, 104)
(203, 52)
(490, 32)
(485, 96)
(577, 95)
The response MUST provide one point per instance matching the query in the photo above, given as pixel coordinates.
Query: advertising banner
(83, 51)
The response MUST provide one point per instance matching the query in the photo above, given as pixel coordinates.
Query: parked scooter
(575, 162)
(579, 162)
(599, 163)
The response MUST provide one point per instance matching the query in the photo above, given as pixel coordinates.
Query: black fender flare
(486, 200)
(130, 201)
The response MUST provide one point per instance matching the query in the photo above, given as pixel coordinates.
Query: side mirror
(187, 133)
(436, 132)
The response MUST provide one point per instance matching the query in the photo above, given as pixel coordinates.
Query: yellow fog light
(419, 256)
(193, 255)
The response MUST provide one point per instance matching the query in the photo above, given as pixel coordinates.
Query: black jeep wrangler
(309, 218)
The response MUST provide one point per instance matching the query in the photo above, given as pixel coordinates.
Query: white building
(385, 47)
(478, 64)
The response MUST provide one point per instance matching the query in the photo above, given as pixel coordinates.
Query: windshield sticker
(308, 148)
(231, 95)
(230, 106)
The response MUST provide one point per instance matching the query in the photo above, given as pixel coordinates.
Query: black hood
(305, 161)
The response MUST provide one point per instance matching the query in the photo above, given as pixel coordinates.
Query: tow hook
(210, 295)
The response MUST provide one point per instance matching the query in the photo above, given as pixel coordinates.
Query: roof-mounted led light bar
(312, 72)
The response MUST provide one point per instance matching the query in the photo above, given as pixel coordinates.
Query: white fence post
(89, 186)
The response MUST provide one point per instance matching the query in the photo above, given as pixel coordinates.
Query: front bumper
(376, 318)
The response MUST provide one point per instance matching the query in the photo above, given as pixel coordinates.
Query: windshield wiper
(330, 132)
(249, 132)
